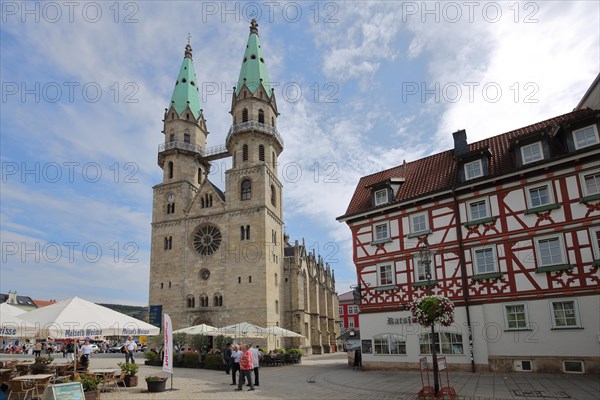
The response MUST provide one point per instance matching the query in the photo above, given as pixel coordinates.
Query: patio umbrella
(246, 330)
(11, 324)
(201, 329)
(78, 318)
(278, 331)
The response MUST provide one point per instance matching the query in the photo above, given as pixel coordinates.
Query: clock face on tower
(207, 239)
(171, 198)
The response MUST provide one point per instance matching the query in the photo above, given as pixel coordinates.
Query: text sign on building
(441, 363)
(399, 321)
(155, 316)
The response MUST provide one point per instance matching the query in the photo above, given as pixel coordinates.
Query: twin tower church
(222, 257)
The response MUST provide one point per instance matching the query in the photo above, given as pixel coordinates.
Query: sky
(360, 86)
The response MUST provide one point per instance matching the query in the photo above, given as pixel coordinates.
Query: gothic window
(203, 300)
(218, 300)
(207, 239)
(171, 169)
(171, 208)
(168, 243)
(246, 189)
(261, 152)
(191, 301)
(261, 116)
(186, 138)
(273, 195)
(245, 153)
(245, 114)
(172, 137)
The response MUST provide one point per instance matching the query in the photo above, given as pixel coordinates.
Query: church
(221, 257)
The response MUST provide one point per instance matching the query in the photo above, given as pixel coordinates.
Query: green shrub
(191, 358)
(130, 368)
(213, 361)
(295, 352)
(151, 356)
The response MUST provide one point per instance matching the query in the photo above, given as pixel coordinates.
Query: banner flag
(168, 347)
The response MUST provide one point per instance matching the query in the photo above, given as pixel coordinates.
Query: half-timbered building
(512, 227)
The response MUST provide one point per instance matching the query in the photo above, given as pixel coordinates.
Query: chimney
(460, 143)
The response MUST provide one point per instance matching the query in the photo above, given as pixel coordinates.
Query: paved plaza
(329, 377)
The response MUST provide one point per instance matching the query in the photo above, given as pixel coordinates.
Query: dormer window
(381, 197)
(585, 137)
(532, 152)
(473, 169)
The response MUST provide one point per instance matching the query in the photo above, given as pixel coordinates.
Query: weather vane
(189, 36)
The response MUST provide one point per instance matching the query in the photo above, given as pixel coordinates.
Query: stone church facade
(220, 257)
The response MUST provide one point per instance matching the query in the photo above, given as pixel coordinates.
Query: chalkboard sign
(64, 391)
(357, 359)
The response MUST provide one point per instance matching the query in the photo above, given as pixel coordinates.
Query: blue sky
(361, 86)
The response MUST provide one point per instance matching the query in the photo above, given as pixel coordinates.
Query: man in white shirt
(255, 361)
(130, 349)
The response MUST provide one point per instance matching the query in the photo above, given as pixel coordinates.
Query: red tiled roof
(438, 172)
(43, 303)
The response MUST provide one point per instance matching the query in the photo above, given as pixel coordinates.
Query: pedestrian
(37, 350)
(256, 356)
(236, 354)
(85, 353)
(227, 357)
(130, 349)
(70, 349)
(246, 368)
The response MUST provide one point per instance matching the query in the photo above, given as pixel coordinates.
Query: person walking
(70, 350)
(130, 349)
(246, 368)
(227, 357)
(85, 353)
(37, 350)
(236, 354)
(256, 356)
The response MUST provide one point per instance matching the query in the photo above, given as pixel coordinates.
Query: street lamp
(425, 254)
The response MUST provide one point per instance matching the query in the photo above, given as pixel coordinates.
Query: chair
(18, 388)
(41, 385)
(116, 379)
(6, 376)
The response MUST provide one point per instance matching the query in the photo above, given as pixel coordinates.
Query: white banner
(168, 345)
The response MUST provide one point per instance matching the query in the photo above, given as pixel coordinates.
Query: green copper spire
(254, 68)
(186, 88)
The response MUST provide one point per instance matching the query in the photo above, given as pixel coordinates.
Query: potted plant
(431, 310)
(90, 386)
(156, 383)
(131, 379)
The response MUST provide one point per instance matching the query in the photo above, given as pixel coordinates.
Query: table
(105, 373)
(36, 379)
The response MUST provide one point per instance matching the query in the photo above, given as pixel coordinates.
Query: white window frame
(341, 310)
(549, 188)
(466, 169)
(584, 188)
(474, 252)
(387, 231)
(381, 200)
(392, 274)
(594, 233)
(417, 264)
(563, 254)
(577, 316)
(443, 343)
(540, 152)
(395, 344)
(351, 323)
(595, 135)
(525, 314)
(486, 202)
(425, 216)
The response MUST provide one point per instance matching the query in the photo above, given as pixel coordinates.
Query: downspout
(463, 273)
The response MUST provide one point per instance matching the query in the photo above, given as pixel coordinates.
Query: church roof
(186, 90)
(217, 190)
(438, 172)
(254, 69)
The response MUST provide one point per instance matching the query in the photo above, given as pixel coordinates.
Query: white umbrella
(245, 329)
(201, 329)
(278, 331)
(78, 318)
(11, 324)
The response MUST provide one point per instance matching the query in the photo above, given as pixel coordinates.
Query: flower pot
(157, 386)
(131, 380)
(93, 395)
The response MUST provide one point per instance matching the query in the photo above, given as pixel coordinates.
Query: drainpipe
(463, 272)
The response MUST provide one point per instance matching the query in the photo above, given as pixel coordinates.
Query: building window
(473, 169)
(245, 113)
(539, 196)
(203, 300)
(380, 232)
(261, 152)
(421, 269)
(247, 232)
(484, 260)
(478, 210)
(516, 316)
(261, 116)
(191, 301)
(277, 306)
(276, 279)
(171, 169)
(350, 324)
(245, 153)
(565, 314)
(218, 300)
(186, 138)
(381, 197)
(389, 344)
(170, 208)
(171, 137)
(169, 243)
(242, 232)
(595, 240)
(585, 137)
(550, 251)
(532, 152)
(385, 275)
(419, 224)
(590, 183)
(246, 189)
(451, 343)
(341, 310)
(273, 195)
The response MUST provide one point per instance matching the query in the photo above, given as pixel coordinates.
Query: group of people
(241, 359)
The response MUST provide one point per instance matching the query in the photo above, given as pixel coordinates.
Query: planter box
(95, 395)
(154, 363)
(131, 381)
(156, 386)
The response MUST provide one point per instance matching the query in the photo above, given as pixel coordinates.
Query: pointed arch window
(186, 138)
(261, 152)
(218, 300)
(191, 301)
(171, 168)
(245, 114)
(203, 300)
(245, 153)
(261, 116)
(246, 187)
(273, 195)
